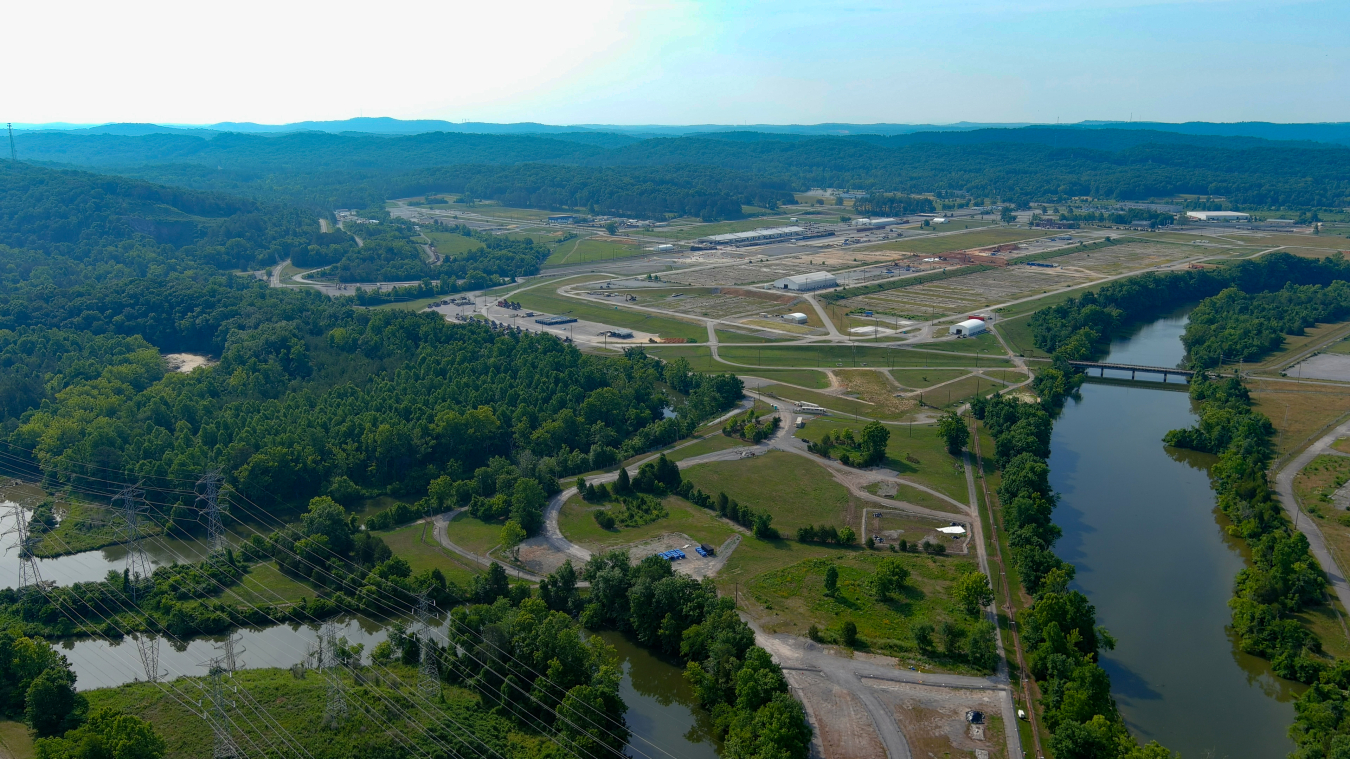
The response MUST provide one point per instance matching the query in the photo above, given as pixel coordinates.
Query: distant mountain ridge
(1332, 132)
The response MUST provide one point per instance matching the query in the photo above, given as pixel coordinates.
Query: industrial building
(816, 280)
(875, 222)
(795, 318)
(562, 219)
(1229, 216)
(968, 328)
(754, 235)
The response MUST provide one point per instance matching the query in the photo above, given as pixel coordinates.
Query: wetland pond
(663, 713)
(1141, 526)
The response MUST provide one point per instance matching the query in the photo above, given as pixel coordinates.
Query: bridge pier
(1132, 375)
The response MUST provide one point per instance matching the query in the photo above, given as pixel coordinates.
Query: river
(1141, 526)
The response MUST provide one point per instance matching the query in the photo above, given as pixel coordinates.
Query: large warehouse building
(754, 235)
(816, 280)
(1217, 216)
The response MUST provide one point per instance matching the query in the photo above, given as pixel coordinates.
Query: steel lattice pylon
(428, 678)
(23, 542)
(224, 746)
(326, 661)
(129, 501)
(209, 493)
(148, 647)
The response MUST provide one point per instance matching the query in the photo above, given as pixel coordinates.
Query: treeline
(893, 205)
(680, 617)
(1059, 629)
(1238, 326)
(704, 175)
(119, 227)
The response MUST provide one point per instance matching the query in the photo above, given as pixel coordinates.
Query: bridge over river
(1133, 369)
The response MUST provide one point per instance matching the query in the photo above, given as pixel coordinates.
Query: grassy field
(451, 244)
(914, 451)
(974, 239)
(417, 544)
(1314, 487)
(472, 533)
(578, 525)
(265, 584)
(915, 497)
(958, 392)
(803, 377)
(981, 345)
(729, 336)
(15, 741)
(1006, 375)
(921, 378)
(410, 305)
(1298, 411)
(832, 356)
(296, 704)
(544, 299)
(792, 598)
(586, 249)
(872, 387)
(717, 442)
(838, 403)
(786, 485)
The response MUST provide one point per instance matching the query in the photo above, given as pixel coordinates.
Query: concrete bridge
(1133, 369)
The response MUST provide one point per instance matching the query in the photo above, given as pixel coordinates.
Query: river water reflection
(1141, 526)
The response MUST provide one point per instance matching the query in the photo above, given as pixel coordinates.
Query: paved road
(439, 523)
(1284, 487)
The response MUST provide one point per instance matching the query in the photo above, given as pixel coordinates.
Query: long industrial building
(754, 235)
(1221, 216)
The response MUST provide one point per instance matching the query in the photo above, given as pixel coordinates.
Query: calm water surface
(1141, 526)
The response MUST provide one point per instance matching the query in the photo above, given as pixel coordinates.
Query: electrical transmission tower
(12, 155)
(28, 570)
(217, 714)
(428, 679)
(132, 506)
(148, 647)
(221, 667)
(326, 661)
(209, 493)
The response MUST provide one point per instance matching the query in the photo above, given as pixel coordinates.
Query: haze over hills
(1336, 132)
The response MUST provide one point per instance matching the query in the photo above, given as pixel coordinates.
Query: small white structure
(955, 529)
(862, 222)
(663, 248)
(795, 317)
(968, 328)
(816, 280)
(939, 220)
(1229, 216)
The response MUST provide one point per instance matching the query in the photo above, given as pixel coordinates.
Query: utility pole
(215, 528)
(138, 563)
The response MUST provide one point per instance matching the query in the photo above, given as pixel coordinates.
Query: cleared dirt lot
(844, 730)
(969, 292)
(933, 718)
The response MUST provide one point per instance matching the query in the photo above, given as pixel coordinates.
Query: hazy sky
(605, 61)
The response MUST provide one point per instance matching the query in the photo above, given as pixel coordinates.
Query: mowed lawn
(914, 451)
(977, 238)
(585, 250)
(578, 524)
(416, 543)
(794, 490)
(792, 598)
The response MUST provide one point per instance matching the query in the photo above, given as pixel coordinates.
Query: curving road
(1284, 487)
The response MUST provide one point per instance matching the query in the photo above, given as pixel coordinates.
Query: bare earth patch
(844, 730)
(933, 719)
(872, 387)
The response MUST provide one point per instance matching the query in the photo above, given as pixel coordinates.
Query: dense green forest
(1259, 302)
(709, 176)
(388, 253)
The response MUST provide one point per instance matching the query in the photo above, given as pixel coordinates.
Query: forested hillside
(310, 395)
(711, 176)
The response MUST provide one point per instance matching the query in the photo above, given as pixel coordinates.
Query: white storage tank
(795, 318)
(968, 328)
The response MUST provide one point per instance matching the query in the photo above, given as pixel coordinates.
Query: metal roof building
(754, 235)
(816, 280)
(1218, 216)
